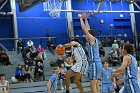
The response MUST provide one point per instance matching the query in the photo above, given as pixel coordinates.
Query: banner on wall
(27, 4)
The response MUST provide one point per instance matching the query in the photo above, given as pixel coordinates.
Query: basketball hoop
(54, 6)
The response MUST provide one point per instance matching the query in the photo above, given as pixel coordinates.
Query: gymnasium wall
(6, 29)
(37, 23)
(121, 25)
(137, 16)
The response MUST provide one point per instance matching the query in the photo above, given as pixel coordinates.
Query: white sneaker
(70, 87)
(62, 88)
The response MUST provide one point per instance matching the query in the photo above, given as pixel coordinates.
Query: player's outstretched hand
(81, 16)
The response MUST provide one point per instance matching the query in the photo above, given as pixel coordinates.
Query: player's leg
(68, 75)
(77, 78)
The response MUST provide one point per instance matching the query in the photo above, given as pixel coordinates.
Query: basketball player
(108, 82)
(79, 68)
(4, 84)
(130, 69)
(95, 64)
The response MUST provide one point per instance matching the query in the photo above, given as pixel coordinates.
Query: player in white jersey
(79, 67)
(4, 84)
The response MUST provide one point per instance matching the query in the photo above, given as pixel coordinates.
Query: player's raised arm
(86, 21)
(86, 28)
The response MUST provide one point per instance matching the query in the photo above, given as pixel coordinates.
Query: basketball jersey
(131, 71)
(3, 86)
(138, 77)
(54, 81)
(106, 75)
(131, 80)
(81, 64)
(93, 52)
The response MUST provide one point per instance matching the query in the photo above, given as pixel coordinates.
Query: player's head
(126, 49)
(74, 39)
(106, 63)
(92, 32)
(2, 76)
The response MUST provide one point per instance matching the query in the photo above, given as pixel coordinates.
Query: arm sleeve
(52, 78)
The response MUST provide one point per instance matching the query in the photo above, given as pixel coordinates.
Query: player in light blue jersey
(95, 64)
(130, 69)
(108, 82)
(52, 83)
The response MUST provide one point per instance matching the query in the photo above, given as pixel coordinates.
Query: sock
(67, 91)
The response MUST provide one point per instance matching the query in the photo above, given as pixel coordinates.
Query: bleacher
(38, 87)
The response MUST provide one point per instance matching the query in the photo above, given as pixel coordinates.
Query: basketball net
(54, 7)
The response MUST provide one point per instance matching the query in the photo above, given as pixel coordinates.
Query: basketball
(60, 50)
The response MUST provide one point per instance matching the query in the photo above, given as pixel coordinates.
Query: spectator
(19, 75)
(101, 50)
(20, 46)
(25, 51)
(0, 57)
(59, 61)
(38, 59)
(28, 60)
(115, 46)
(114, 54)
(40, 50)
(62, 76)
(52, 83)
(113, 57)
(30, 43)
(33, 52)
(4, 58)
(27, 73)
(50, 45)
(39, 72)
(4, 84)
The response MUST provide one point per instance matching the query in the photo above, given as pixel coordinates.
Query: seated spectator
(30, 43)
(28, 60)
(38, 59)
(25, 51)
(4, 58)
(59, 61)
(19, 74)
(4, 84)
(39, 72)
(113, 57)
(101, 50)
(115, 46)
(27, 73)
(33, 52)
(114, 54)
(41, 52)
(40, 49)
